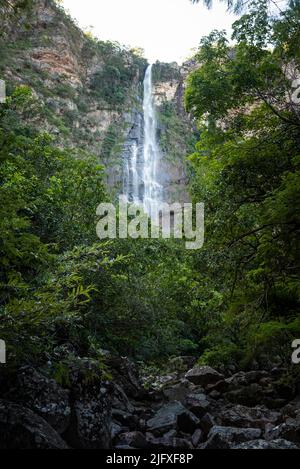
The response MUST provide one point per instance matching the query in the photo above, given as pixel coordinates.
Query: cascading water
(152, 188)
(141, 163)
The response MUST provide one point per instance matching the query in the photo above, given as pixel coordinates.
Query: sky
(167, 30)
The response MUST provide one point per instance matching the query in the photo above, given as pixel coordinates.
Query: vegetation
(247, 173)
(236, 301)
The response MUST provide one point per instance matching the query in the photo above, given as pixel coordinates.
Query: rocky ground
(193, 407)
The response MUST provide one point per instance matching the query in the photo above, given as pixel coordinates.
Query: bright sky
(166, 29)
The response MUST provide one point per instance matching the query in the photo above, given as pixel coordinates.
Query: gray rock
(207, 422)
(246, 417)
(203, 375)
(198, 404)
(224, 437)
(20, 428)
(177, 392)
(45, 397)
(168, 443)
(133, 439)
(289, 430)
(172, 416)
(115, 430)
(197, 437)
(263, 444)
(250, 395)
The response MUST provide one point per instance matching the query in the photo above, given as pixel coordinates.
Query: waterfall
(141, 156)
(152, 188)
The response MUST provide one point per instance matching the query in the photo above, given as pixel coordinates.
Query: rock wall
(90, 92)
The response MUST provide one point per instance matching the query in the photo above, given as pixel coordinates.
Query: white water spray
(141, 165)
(152, 188)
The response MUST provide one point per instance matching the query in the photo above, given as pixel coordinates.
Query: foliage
(247, 172)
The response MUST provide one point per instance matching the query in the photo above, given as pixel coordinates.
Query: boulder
(246, 417)
(172, 416)
(167, 443)
(198, 404)
(44, 397)
(289, 430)
(203, 375)
(197, 437)
(126, 374)
(90, 426)
(207, 422)
(20, 428)
(225, 437)
(178, 391)
(250, 396)
(263, 444)
(135, 440)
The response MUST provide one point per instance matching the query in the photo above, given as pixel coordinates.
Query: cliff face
(176, 133)
(89, 91)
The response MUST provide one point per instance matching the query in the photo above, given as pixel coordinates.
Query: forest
(67, 297)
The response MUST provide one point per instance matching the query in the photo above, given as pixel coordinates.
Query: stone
(168, 443)
(197, 437)
(172, 416)
(289, 430)
(250, 395)
(207, 422)
(203, 375)
(45, 397)
(177, 392)
(263, 444)
(115, 429)
(125, 418)
(20, 428)
(198, 404)
(134, 439)
(224, 437)
(246, 417)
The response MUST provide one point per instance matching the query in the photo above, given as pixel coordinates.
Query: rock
(198, 404)
(221, 386)
(172, 416)
(177, 392)
(203, 375)
(250, 395)
(90, 426)
(246, 417)
(125, 418)
(45, 397)
(207, 422)
(289, 430)
(115, 429)
(224, 437)
(20, 428)
(133, 439)
(125, 373)
(244, 379)
(263, 444)
(120, 400)
(215, 395)
(197, 437)
(168, 443)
